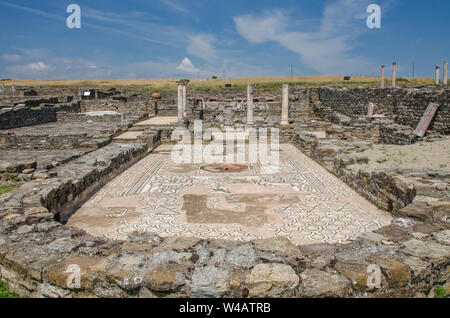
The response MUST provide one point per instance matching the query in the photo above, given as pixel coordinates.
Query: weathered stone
(394, 233)
(25, 229)
(397, 273)
(420, 211)
(237, 284)
(436, 252)
(372, 237)
(63, 245)
(442, 237)
(54, 292)
(177, 244)
(404, 223)
(168, 278)
(317, 283)
(242, 256)
(210, 281)
(358, 274)
(272, 280)
(59, 274)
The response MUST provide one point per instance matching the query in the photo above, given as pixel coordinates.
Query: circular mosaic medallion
(225, 168)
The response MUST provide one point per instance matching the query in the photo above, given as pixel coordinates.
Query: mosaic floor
(302, 202)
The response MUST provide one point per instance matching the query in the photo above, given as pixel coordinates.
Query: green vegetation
(4, 190)
(380, 204)
(5, 292)
(440, 292)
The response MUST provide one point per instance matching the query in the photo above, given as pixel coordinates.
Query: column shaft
(184, 101)
(250, 120)
(180, 103)
(285, 106)
(437, 75)
(445, 81)
(394, 74)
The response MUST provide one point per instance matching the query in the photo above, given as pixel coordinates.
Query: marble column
(394, 73)
(285, 106)
(382, 76)
(180, 103)
(184, 101)
(445, 81)
(437, 75)
(13, 89)
(250, 120)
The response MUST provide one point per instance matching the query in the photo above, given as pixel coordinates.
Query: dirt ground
(422, 155)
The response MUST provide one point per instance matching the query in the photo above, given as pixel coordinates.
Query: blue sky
(233, 38)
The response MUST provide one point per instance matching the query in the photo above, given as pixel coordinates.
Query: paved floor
(129, 135)
(158, 121)
(302, 202)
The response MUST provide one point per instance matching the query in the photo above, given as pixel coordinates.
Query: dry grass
(145, 84)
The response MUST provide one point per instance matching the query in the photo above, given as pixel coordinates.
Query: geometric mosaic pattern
(302, 202)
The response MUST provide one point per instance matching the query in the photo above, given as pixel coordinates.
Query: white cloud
(39, 66)
(11, 57)
(187, 66)
(201, 45)
(31, 69)
(260, 29)
(326, 50)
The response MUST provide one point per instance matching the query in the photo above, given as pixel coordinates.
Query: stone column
(437, 75)
(2, 89)
(445, 81)
(229, 115)
(13, 89)
(184, 101)
(382, 76)
(180, 103)
(394, 73)
(370, 109)
(285, 106)
(250, 120)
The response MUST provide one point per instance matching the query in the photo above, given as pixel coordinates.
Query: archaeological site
(209, 158)
(354, 202)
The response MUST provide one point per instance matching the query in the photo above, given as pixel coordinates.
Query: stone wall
(405, 106)
(25, 116)
(142, 106)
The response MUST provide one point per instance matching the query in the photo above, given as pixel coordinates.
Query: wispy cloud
(11, 57)
(175, 6)
(105, 17)
(328, 50)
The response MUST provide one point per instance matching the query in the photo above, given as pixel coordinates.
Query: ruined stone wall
(117, 106)
(25, 116)
(404, 105)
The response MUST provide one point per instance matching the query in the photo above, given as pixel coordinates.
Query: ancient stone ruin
(357, 207)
